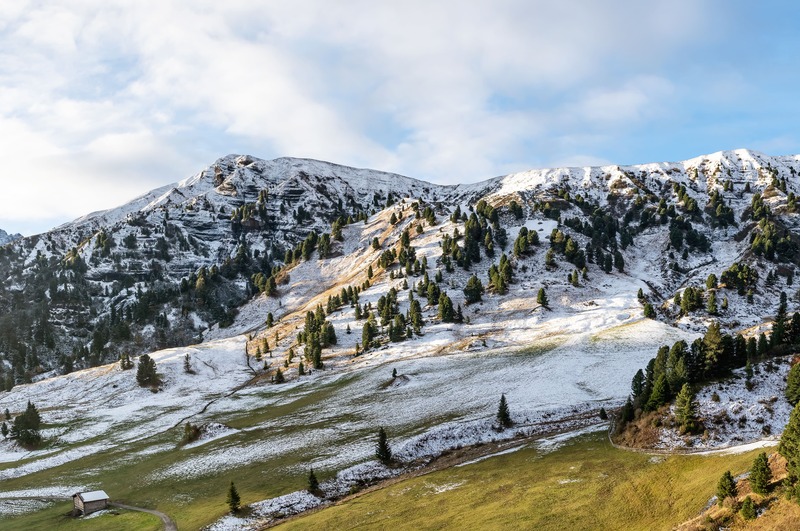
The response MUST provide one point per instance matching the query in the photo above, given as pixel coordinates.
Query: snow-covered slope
(123, 280)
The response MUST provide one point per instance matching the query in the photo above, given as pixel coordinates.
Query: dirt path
(169, 525)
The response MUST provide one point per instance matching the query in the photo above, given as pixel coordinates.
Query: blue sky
(101, 101)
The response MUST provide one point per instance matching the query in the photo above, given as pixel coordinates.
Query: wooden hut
(89, 502)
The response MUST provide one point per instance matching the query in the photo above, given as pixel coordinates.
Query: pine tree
(233, 500)
(637, 384)
(789, 446)
(607, 263)
(4, 430)
(146, 374)
(685, 410)
(779, 325)
(366, 335)
(714, 349)
(603, 414)
(394, 373)
(726, 488)
(711, 305)
(446, 310)
(541, 298)
(763, 344)
(301, 370)
(660, 394)
(187, 364)
(760, 474)
(619, 262)
(748, 510)
(473, 289)
(382, 450)
(125, 362)
(279, 378)
(793, 385)
(625, 415)
(503, 414)
(649, 311)
(313, 483)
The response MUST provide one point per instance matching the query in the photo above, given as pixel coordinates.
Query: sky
(102, 101)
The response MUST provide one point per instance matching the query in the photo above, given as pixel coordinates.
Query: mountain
(191, 261)
(292, 307)
(8, 238)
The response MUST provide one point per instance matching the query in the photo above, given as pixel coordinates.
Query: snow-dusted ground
(442, 402)
(100, 408)
(579, 354)
(550, 363)
(734, 416)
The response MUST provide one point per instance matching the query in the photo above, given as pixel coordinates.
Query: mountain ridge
(243, 215)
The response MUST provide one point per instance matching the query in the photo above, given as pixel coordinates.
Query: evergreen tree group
(25, 428)
(712, 356)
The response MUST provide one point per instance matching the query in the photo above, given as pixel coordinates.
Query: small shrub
(715, 397)
(191, 433)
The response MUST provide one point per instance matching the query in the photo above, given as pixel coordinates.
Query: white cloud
(112, 98)
(638, 99)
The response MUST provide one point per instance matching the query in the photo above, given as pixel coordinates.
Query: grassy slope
(57, 517)
(587, 484)
(195, 501)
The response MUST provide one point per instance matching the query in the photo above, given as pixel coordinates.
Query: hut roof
(95, 495)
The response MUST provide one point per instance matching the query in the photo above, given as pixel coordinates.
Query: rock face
(6, 238)
(162, 269)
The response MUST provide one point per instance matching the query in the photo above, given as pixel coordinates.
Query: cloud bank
(101, 101)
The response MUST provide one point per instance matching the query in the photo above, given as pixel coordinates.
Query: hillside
(124, 280)
(296, 287)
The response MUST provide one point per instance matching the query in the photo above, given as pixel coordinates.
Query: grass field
(327, 421)
(57, 517)
(586, 484)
